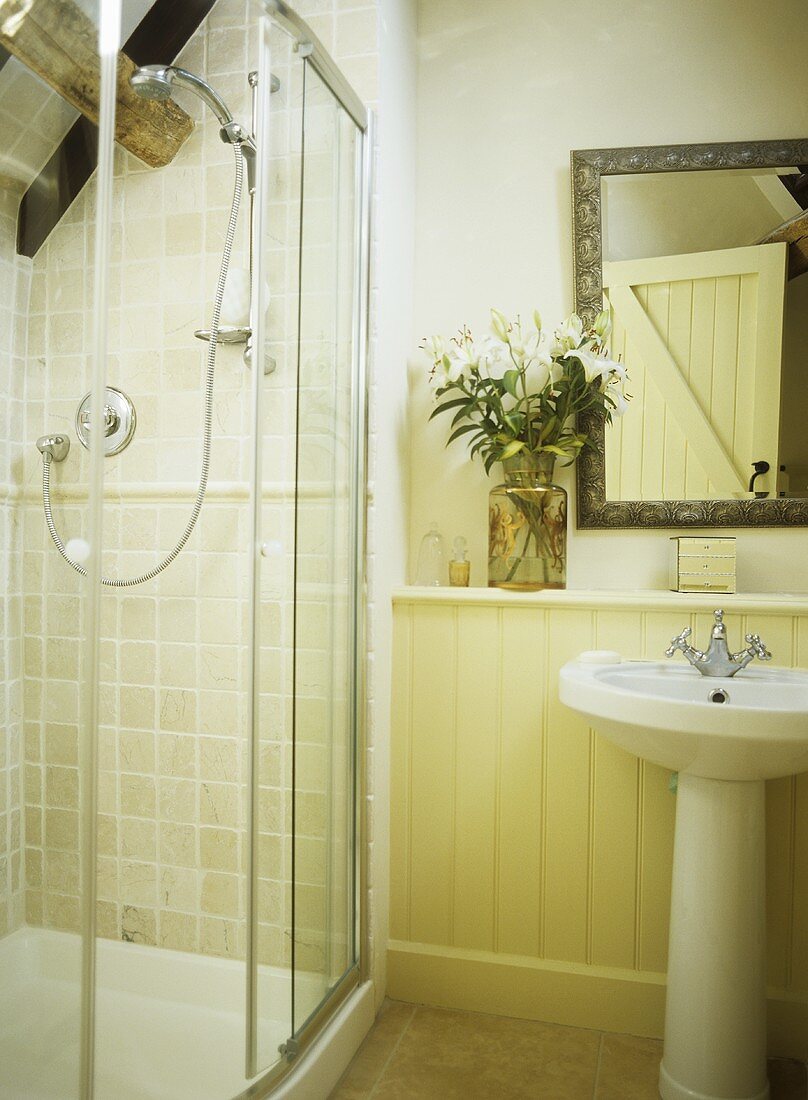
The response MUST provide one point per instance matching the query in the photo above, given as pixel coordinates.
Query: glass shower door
(323, 795)
(53, 315)
(309, 500)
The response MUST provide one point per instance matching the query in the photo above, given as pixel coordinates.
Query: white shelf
(770, 603)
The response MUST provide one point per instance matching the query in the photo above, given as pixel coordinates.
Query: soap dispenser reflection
(459, 566)
(431, 566)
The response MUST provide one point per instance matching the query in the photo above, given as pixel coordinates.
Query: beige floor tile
(446, 1055)
(371, 1058)
(437, 1054)
(629, 1068)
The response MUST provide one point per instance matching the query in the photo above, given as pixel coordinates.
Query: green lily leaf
(448, 405)
(467, 410)
(512, 448)
(462, 431)
(509, 382)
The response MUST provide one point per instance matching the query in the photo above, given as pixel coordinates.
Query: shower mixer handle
(111, 420)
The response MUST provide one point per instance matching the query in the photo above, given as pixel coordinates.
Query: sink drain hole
(718, 695)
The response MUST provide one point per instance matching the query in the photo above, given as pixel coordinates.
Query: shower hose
(128, 582)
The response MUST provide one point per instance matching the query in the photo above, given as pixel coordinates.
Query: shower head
(158, 81)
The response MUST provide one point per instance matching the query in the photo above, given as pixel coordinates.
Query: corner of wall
(392, 327)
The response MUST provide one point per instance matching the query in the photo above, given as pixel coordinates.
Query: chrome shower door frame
(313, 54)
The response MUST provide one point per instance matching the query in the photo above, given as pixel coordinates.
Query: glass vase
(527, 526)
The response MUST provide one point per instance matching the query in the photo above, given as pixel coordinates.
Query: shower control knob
(119, 420)
(111, 420)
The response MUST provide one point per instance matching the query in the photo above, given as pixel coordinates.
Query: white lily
(434, 346)
(495, 356)
(595, 365)
(620, 400)
(569, 333)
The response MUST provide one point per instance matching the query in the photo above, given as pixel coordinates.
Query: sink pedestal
(715, 1016)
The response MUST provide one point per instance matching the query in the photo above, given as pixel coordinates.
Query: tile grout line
(392, 1054)
(597, 1068)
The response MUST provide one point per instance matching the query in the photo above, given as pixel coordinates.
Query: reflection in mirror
(710, 315)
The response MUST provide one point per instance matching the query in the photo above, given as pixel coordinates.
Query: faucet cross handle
(679, 642)
(758, 647)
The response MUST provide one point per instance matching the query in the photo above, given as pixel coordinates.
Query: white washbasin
(663, 712)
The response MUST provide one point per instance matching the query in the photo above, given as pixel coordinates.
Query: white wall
(505, 91)
(392, 311)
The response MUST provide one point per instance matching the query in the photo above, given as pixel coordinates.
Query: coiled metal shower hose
(128, 582)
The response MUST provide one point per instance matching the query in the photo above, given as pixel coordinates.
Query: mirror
(701, 255)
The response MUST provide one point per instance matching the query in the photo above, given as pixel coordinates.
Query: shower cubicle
(183, 332)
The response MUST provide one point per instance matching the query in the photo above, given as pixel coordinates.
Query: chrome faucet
(718, 661)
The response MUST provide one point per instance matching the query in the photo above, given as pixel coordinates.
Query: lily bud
(603, 324)
(499, 325)
(537, 320)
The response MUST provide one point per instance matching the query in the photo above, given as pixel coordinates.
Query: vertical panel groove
(639, 862)
(590, 854)
(453, 793)
(543, 814)
(735, 394)
(497, 784)
(410, 690)
(792, 868)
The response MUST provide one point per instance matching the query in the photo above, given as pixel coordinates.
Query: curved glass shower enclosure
(183, 329)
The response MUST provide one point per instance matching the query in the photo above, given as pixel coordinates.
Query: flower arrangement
(518, 390)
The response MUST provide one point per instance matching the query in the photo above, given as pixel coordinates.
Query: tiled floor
(419, 1053)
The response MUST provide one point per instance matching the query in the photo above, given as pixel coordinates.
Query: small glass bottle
(430, 570)
(459, 566)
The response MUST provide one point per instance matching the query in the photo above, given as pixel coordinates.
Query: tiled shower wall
(173, 751)
(15, 281)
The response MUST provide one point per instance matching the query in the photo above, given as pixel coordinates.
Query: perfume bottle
(459, 566)
(430, 568)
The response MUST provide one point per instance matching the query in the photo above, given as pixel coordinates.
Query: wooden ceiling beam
(159, 37)
(58, 42)
(795, 234)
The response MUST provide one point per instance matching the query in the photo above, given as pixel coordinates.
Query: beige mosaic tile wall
(173, 750)
(15, 273)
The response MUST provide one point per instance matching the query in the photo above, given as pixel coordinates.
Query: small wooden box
(702, 564)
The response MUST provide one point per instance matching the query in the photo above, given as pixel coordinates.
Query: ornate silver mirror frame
(588, 165)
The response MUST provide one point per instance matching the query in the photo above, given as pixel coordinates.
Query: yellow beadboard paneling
(615, 810)
(400, 757)
(432, 775)
(779, 877)
(566, 886)
(522, 647)
(655, 841)
(477, 753)
(798, 977)
(520, 835)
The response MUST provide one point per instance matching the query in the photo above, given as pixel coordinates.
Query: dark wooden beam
(159, 37)
(797, 185)
(59, 43)
(795, 235)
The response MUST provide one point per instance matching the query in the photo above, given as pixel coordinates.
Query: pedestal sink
(724, 736)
